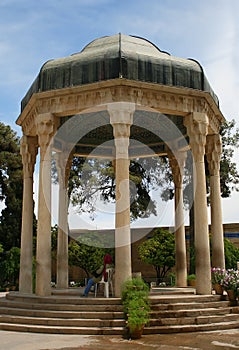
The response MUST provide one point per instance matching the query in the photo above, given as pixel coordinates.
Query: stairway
(65, 314)
(191, 313)
(68, 313)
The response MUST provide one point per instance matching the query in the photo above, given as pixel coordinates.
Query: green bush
(135, 299)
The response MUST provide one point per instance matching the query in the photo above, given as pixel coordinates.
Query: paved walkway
(219, 340)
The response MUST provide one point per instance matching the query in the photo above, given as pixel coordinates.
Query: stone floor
(220, 340)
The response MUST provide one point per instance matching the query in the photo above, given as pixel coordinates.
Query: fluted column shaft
(197, 128)
(177, 162)
(213, 152)
(63, 167)
(45, 130)
(28, 153)
(121, 118)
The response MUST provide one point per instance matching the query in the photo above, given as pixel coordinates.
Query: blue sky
(33, 32)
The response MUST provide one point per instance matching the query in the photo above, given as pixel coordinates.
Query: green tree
(10, 265)
(229, 175)
(11, 186)
(86, 257)
(231, 254)
(159, 251)
(94, 179)
(88, 253)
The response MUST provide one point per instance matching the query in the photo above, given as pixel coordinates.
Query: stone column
(177, 162)
(45, 130)
(213, 152)
(197, 129)
(28, 153)
(63, 163)
(121, 118)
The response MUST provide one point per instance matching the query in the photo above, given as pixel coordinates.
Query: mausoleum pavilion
(120, 98)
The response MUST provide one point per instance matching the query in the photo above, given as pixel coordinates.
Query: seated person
(97, 275)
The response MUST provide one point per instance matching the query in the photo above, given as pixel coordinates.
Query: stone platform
(65, 312)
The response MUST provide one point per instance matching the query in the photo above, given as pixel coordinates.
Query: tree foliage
(87, 254)
(231, 254)
(229, 175)
(9, 266)
(159, 251)
(230, 250)
(11, 186)
(93, 180)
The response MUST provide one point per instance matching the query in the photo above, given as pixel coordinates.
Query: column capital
(28, 150)
(45, 126)
(213, 153)
(197, 129)
(63, 165)
(177, 160)
(121, 117)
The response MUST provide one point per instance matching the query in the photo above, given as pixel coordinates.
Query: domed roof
(119, 56)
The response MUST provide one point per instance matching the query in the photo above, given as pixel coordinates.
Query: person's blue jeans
(88, 287)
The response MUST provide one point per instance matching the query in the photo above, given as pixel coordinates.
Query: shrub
(136, 303)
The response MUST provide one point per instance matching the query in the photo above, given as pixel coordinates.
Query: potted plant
(231, 285)
(218, 274)
(191, 280)
(135, 300)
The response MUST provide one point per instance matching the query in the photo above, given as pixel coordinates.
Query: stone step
(217, 318)
(172, 291)
(189, 305)
(62, 314)
(61, 329)
(62, 307)
(71, 314)
(171, 299)
(193, 312)
(118, 330)
(191, 328)
(76, 322)
(193, 320)
(61, 299)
